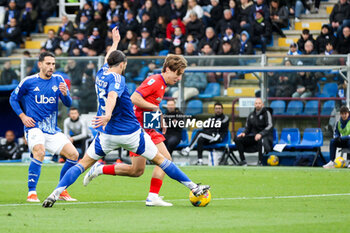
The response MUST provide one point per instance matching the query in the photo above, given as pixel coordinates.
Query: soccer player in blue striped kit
(118, 127)
(39, 95)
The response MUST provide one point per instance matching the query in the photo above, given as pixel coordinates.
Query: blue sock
(70, 177)
(34, 174)
(68, 164)
(175, 173)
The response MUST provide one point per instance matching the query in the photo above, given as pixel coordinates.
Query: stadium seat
(312, 26)
(327, 108)
(242, 91)
(275, 136)
(295, 107)
(194, 107)
(163, 52)
(224, 144)
(184, 140)
(329, 90)
(33, 44)
(285, 42)
(329, 9)
(294, 136)
(312, 138)
(212, 89)
(278, 107)
(48, 27)
(131, 87)
(311, 108)
(142, 75)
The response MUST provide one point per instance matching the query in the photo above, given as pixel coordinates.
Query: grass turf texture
(236, 205)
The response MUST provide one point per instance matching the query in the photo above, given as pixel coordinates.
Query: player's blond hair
(176, 63)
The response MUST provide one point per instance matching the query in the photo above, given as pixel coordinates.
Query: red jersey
(152, 89)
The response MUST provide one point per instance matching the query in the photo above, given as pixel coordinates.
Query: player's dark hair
(175, 63)
(73, 108)
(45, 54)
(115, 58)
(218, 104)
(344, 109)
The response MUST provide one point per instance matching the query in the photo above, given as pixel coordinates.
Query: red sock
(108, 170)
(155, 185)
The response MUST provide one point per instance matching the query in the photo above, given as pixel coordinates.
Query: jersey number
(101, 95)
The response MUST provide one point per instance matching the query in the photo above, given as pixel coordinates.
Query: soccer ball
(339, 162)
(273, 160)
(202, 200)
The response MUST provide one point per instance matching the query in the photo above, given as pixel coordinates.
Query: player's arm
(110, 104)
(64, 95)
(116, 39)
(139, 101)
(15, 97)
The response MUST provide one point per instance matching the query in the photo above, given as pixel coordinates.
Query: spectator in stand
(159, 32)
(174, 23)
(28, 19)
(84, 24)
(87, 93)
(246, 47)
(209, 135)
(285, 85)
(58, 52)
(178, 40)
(325, 37)
(226, 49)
(211, 39)
(278, 16)
(293, 49)
(76, 130)
(52, 41)
(317, 7)
(233, 39)
(163, 8)
(125, 43)
(245, 10)
(9, 147)
(306, 84)
(75, 71)
(192, 6)
(339, 14)
(192, 40)
(11, 37)
(150, 10)
(343, 41)
(7, 74)
(190, 50)
(297, 7)
(86, 11)
(131, 23)
(101, 25)
(66, 43)
(211, 18)
(258, 133)
(109, 39)
(309, 48)
(178, 50)
(195, 26)
(227, 21)
(305, 36)
(11, 13)
(272, 81)
(261, 30)
(79, 43)
(134, 50)
(232, 6)
(95, 42)
(114, 9)
(101, 9)
(66, 26)
(146, 43)
(45, 10)
(260, 5)
(173, 133)
(179, 9)
(147, 23)
(341, 137)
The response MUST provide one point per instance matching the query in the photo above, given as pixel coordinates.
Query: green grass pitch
(253, 199)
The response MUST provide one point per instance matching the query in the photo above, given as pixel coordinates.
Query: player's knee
(38, 153)
(137, 172)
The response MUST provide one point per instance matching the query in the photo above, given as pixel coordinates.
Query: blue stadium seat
(311, 108)
(131, 87)
(328, 107)
(142, 75)
(275, 136)
(295, 107)
(194, 107)
(212, 89)
(294, 136)
(312, 138)
(184, 139)
(329, 90)
(225, 143)
(163, 52)
(278, 107)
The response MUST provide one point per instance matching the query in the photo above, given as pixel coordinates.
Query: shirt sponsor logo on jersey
(44, 100)
(159, 99)
(36, 89)
(55, 88)
(150, 82)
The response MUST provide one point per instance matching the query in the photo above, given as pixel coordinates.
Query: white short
(53, 143)
(138, 142)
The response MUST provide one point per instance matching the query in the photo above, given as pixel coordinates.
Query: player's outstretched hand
(115, 35)
(27, 121)
(63, 88)
(99, 121)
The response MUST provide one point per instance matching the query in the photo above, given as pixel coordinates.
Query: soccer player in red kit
(147, 98)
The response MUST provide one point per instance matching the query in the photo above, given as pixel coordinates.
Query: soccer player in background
(118, 127)
(39, 95)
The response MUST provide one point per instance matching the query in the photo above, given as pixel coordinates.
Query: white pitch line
(215, 199)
